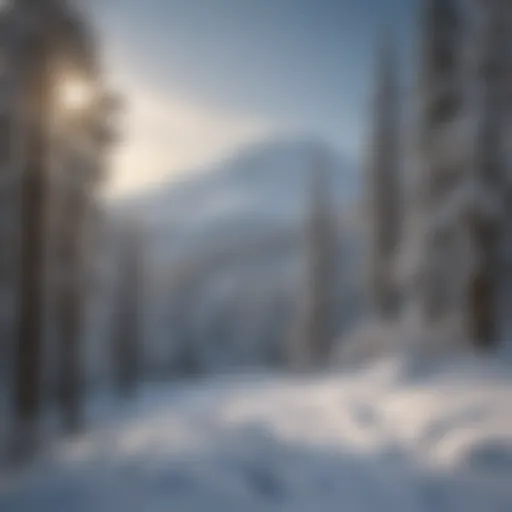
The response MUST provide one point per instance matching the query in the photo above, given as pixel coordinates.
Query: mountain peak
(266, 180)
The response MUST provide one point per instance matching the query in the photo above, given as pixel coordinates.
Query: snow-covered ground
(391, 437)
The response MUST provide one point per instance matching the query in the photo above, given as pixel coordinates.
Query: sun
(74, 94)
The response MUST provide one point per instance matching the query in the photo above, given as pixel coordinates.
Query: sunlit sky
(205, 77)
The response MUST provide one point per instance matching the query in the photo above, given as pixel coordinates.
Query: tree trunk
(482, 322)
(30, 303)
(70, 308)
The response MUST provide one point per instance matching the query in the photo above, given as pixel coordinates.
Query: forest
(284, 327)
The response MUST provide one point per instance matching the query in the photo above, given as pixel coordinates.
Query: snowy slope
(393, 437)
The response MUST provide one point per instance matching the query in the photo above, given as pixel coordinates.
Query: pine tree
(70, 303)
(35, 87)
(9, 203)
(75, 194)
(317, 319)
(127, 348)
(47, 34)
(384, 188)
(441, 101)
(486, 223)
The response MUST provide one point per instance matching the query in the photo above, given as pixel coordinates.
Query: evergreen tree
(384, 188)
(55, 33)
(317, 319)
(489, 177)
(70, 303)
(75, 194)
(9, 213)
(441, 101)
(34, 75)
(127, 347)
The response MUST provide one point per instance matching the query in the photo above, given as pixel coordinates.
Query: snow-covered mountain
(264, 181)
(224, 246)
(259, 192)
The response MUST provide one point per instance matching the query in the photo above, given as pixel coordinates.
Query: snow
(393, 436)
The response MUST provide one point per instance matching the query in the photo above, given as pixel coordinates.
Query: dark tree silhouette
(316, 322)
(492, 95)
(384, 188)
(127, 347)
(36, 89)
(441, 101)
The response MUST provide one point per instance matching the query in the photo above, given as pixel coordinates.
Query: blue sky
(204, 77)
